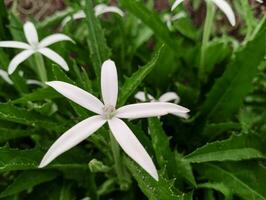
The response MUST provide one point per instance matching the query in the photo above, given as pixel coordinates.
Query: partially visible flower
(34, 46)
(259, 1)
(107, 112)
(5, 76)
(222, 4)
(99, 10)
(169, 19)
(166, 97)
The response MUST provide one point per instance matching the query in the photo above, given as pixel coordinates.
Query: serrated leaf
(247, 180)
(99, 51)
(27, 180)
(16, 159)
(175, 165)
(9, 134)
(163, 189)
(237, 147)
(228, 92)
(136, 79)
(11, 113)
(152, 20)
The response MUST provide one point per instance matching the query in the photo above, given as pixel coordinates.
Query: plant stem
(118, 165)
(40, 67)
(206, 36)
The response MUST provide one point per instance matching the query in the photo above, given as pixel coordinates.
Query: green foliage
(218, 152)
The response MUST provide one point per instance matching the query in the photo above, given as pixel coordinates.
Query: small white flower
(166, 97)
(169, 19)
(99, 10)
(259, 1)
(222, 4)
(5, 76)
(34, 46)
(107, 112)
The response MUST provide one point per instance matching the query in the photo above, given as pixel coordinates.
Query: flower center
(109, 112)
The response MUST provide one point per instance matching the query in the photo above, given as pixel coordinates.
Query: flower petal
(143, 97)
(177, 2)
(14, 44)
(103, 8)
(31, 33)
(183, 115)
(109, 83)
(5, 77)
(152, 109)
(169, 96)
(72, 137)
(78, 95)
(130, 144)
(54, 57)
(226, 8)
(51, 39)
(19, 58)
(78, 15)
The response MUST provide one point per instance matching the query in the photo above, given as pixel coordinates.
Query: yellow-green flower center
(108, 112)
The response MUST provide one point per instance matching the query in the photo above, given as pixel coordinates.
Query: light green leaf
(99, 51)
(237, 147)
(136, 79)
(246, 179)
(228, 92)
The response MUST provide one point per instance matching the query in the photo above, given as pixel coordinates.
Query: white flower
(99, 10)
(107, 112)
(166, 97)
(222, 4)
(35, 46)
(5, 76)
(259, 1)
(169, 19)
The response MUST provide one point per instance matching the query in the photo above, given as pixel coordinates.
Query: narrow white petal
(169, 96)
(5, 77)
(228, 11)
(78, 15)
(259, 1)
(72, 137)
(130, 144)
(14, 44)
(34, 82)
(31, 33)
(51, 39)
(103, 8)
(142, 96)
(183, 115)
(78, 95)
(109, 83)
(52, 55)
(177, 2)
(152, 109)
(19, 58)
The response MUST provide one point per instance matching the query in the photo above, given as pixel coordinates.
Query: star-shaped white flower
(107, 112)
(166, 97)
(34, 46)
(221, 4)
(98, 9)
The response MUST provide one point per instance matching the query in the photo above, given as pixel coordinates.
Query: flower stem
(40, 67)
(206, 36)
(120, 171)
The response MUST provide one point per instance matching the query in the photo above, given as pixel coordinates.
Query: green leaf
(16, 159)
(9, 134)
(228, 92)
(237, 147)
(27, 180)
(220, 187)
(175, 165)
(214, 130)
(11, 113)
(136, 79)
(246, 179)
(37, 95)
(153, 21)
(99, 51)
(163, 189)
